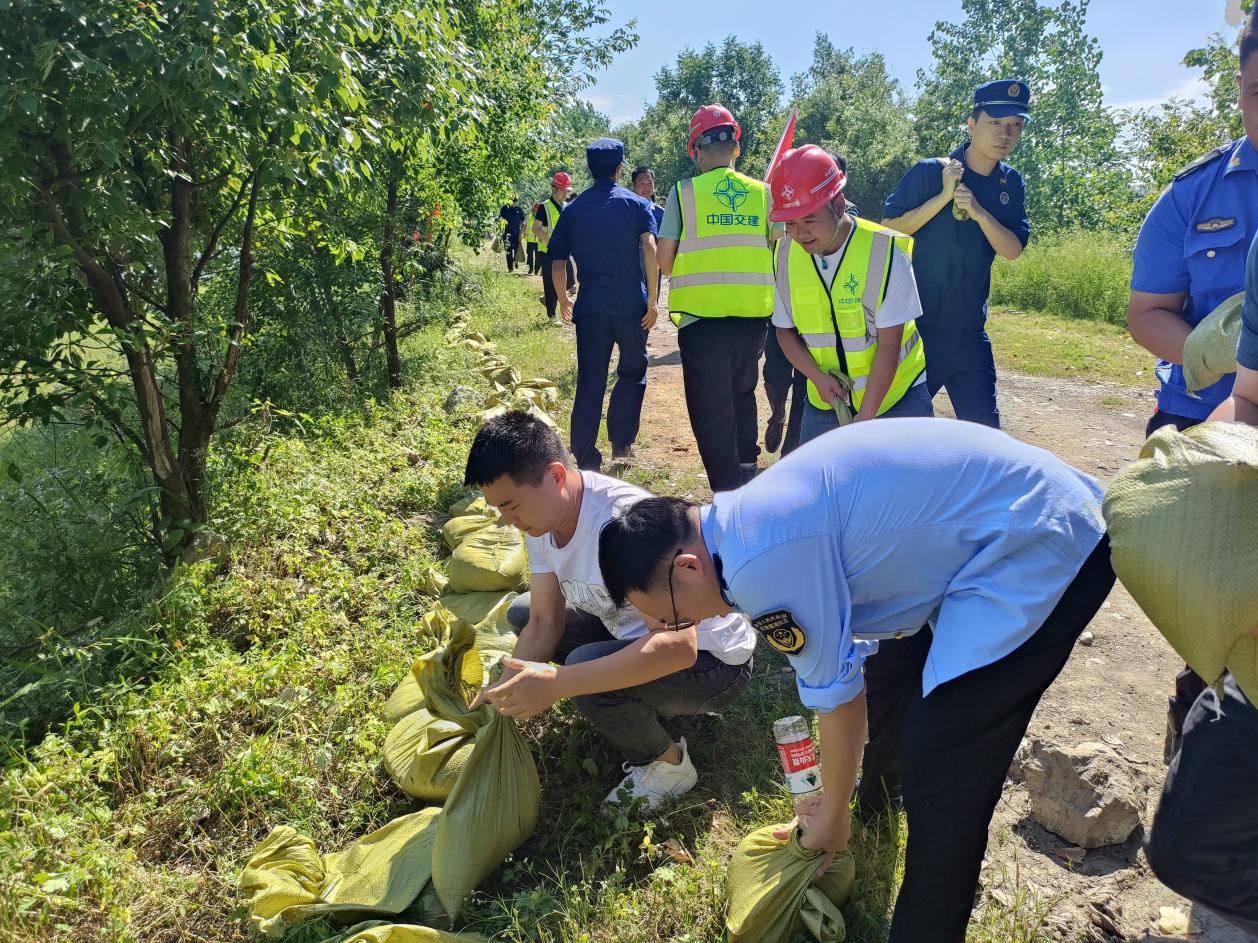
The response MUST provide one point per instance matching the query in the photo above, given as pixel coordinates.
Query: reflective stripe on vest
(724, 266)
(840, 330)
(552, 216)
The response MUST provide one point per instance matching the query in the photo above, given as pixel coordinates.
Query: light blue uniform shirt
(880, 527)
(1194, 240)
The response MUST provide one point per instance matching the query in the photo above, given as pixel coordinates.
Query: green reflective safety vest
(551, 210)
(837, 323)
(724, 266)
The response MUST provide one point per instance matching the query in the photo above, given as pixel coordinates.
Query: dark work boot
(777, 416)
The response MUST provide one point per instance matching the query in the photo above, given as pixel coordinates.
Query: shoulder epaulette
(1204, 161)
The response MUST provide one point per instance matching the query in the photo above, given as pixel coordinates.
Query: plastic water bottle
(799, 763)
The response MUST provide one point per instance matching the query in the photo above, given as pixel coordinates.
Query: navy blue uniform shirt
(601, 231)
(952, 259)
(1194, 240)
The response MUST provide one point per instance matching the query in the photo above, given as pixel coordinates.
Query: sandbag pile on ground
(510, 392)
(376, 931)
(772, 895)
(1182, 520)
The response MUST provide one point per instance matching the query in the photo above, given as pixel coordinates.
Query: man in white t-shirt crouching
(624, 675)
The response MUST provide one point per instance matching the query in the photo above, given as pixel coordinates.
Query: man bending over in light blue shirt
(868, 533)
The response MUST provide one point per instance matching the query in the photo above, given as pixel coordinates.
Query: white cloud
(618, 107)
(1194, 89)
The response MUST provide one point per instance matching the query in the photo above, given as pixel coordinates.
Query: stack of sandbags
(1182, 523)
(773, 895)
(488, 555)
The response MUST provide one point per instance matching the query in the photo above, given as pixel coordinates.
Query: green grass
(1078, 275)
(1050, 345)
(132, 820)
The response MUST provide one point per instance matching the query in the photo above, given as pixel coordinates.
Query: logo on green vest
(731, 193)
(851, 285)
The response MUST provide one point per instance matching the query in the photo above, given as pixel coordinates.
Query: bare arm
(539, 231)
(559, 276)
(541, 634)
(915, 219)
(842, 743)
(797, 353)
(1242, 405)
(651, 270)
(666, 254)
(655, 655)
(1156, 323)
(882, 371)
(1007, 245)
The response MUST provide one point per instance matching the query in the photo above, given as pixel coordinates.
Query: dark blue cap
(1004, 98)
(604, 155)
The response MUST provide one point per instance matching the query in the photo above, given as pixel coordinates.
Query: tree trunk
(344, 345)
(388, 293)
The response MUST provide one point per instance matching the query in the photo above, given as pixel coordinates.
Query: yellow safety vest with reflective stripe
(551, 211)
(837, 323)
(724, 266)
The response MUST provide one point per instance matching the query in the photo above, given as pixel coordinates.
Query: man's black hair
(1249, 37)
(636, 548)
(639, 171)
(517, 445)
(840, 159)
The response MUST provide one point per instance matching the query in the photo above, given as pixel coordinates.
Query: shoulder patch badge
(780, 630)
(1218, 224)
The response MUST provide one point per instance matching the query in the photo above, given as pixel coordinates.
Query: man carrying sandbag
(867, 533)
(1204, 839)
(623, 675)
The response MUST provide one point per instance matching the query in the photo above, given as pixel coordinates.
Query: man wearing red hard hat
(714, 245)
(544, 219)
(844, 316)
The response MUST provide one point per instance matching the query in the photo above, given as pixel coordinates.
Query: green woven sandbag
(489, 559)
(424, 756)
(772, 895)
(1182, 522)
(460, 527)
(375, 931)
(493, 806)
(1210, 350)
(488, 612)
(287, 881)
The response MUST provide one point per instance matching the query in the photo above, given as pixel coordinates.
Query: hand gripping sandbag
(1183, 525)
(493, 806)
(287, 881)
(376, 931)
(772, 895)
(489, 559)
(1210, 350)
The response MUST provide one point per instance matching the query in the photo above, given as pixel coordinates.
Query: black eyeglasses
(677, 624)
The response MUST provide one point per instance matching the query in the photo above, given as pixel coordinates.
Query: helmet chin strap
(834, 240)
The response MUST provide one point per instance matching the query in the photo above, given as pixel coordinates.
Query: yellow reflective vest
(724, 266)
(551, 210)
(837, 323)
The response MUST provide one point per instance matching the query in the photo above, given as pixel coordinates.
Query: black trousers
(720, 364)
(511, 242)
(1204, 839)
(530, 259)
(549, 294)
(957, 747)
(595, 338)
(780, 372)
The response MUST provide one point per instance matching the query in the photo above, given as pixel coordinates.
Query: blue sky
(1143, 40)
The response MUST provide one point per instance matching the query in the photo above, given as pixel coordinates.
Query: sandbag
(459, 528)
(489, 559)
(1210, 350)
(433, 628)
(287, 881)
(425, 755)
(488, 612)
(472, 504)
(493, 807)
(772, 895)
(535, 411)
(1182, 523)
(377, 931)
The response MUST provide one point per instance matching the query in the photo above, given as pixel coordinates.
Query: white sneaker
(656, 782)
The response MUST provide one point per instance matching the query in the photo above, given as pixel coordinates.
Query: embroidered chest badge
(1218, 224)
(780, 630)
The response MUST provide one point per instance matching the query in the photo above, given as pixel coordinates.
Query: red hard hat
(806, 179)
(562, 180)
(708, 118)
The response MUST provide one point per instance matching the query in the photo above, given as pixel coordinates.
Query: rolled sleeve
(829, 667)
(1247, 349)
(1159, 264)
(1021, 227)
(781, 315)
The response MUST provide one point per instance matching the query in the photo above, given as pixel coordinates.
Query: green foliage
(852, 104)
(741, 76)
(1068, 158)
(1076, 274)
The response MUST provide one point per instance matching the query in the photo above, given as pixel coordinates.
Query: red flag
(784, 145)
